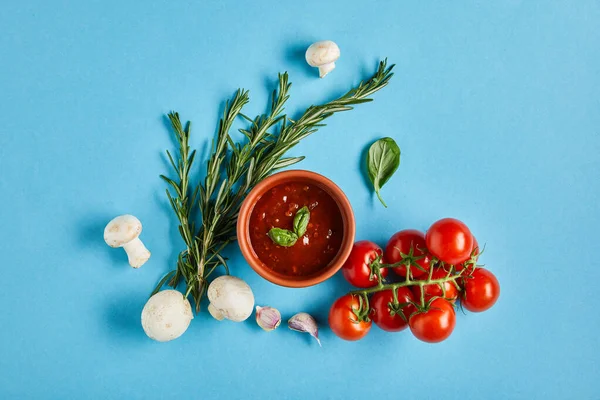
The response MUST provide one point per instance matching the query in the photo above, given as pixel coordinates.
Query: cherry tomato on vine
(357, 268)
(435, 289)
(450, 240)
(474, 255)
(381, 311)
(435, 324)
(481, 290)
(401, 243)
(344, 321)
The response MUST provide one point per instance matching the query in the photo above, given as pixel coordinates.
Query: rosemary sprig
(227, 182)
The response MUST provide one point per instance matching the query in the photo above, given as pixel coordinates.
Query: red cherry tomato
(481, 290)
(344, 322)
(381, 314)
(474, 254)
(435, 289)
(450, 240)
(401, 243)
(357, 268)
(435, 324)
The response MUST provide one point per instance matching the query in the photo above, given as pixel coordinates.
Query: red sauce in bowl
(316, 248)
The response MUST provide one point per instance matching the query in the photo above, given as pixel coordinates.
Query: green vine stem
(409, 282)
(409, 260)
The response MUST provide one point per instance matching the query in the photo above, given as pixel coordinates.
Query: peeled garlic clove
(303, 322)
(268, 318)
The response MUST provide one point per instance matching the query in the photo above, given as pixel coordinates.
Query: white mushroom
(123, 231)
(230, 298)
(323, 55)
(166, 315)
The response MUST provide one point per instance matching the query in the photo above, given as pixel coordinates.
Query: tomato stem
(407, 282)
(375, 267)
(408, 260)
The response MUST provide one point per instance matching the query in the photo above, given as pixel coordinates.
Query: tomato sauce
(316, 248)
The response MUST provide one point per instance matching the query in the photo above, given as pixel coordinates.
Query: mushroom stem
(325, 69)
(137, 253)
(215, 312)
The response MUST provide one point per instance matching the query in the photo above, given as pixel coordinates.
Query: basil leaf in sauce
(301, 221)
(283, 237)
(383, 160)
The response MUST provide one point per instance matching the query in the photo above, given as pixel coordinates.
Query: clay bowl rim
(243, 231)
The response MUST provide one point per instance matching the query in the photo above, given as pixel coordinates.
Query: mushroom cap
(122, 230)
(231, 297)
(321, 53)
(166, 315)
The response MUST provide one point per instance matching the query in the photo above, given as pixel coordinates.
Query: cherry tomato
(435, 289)
(380, 303)
(481, 290)
(435, 324)
(450, 240)
(357, 268)
(474, 253)
(402, 242)
(344, 322)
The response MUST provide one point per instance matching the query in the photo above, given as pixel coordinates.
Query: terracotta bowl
(243, 229)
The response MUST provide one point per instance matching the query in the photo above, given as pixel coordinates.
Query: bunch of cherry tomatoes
(434, 270)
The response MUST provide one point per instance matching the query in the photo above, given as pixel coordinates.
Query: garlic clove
(268, 318)
(303, 322)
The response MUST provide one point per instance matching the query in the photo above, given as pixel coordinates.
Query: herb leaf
(283, 237)
(301, 221)
(383, 160)
(286, 238)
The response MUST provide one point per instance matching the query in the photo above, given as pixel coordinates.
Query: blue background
(496, 110)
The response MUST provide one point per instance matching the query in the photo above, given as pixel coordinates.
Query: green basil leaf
(383, 160)
(301, 221)
(283, 237)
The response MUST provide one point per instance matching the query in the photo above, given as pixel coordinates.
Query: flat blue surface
(496, 109)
